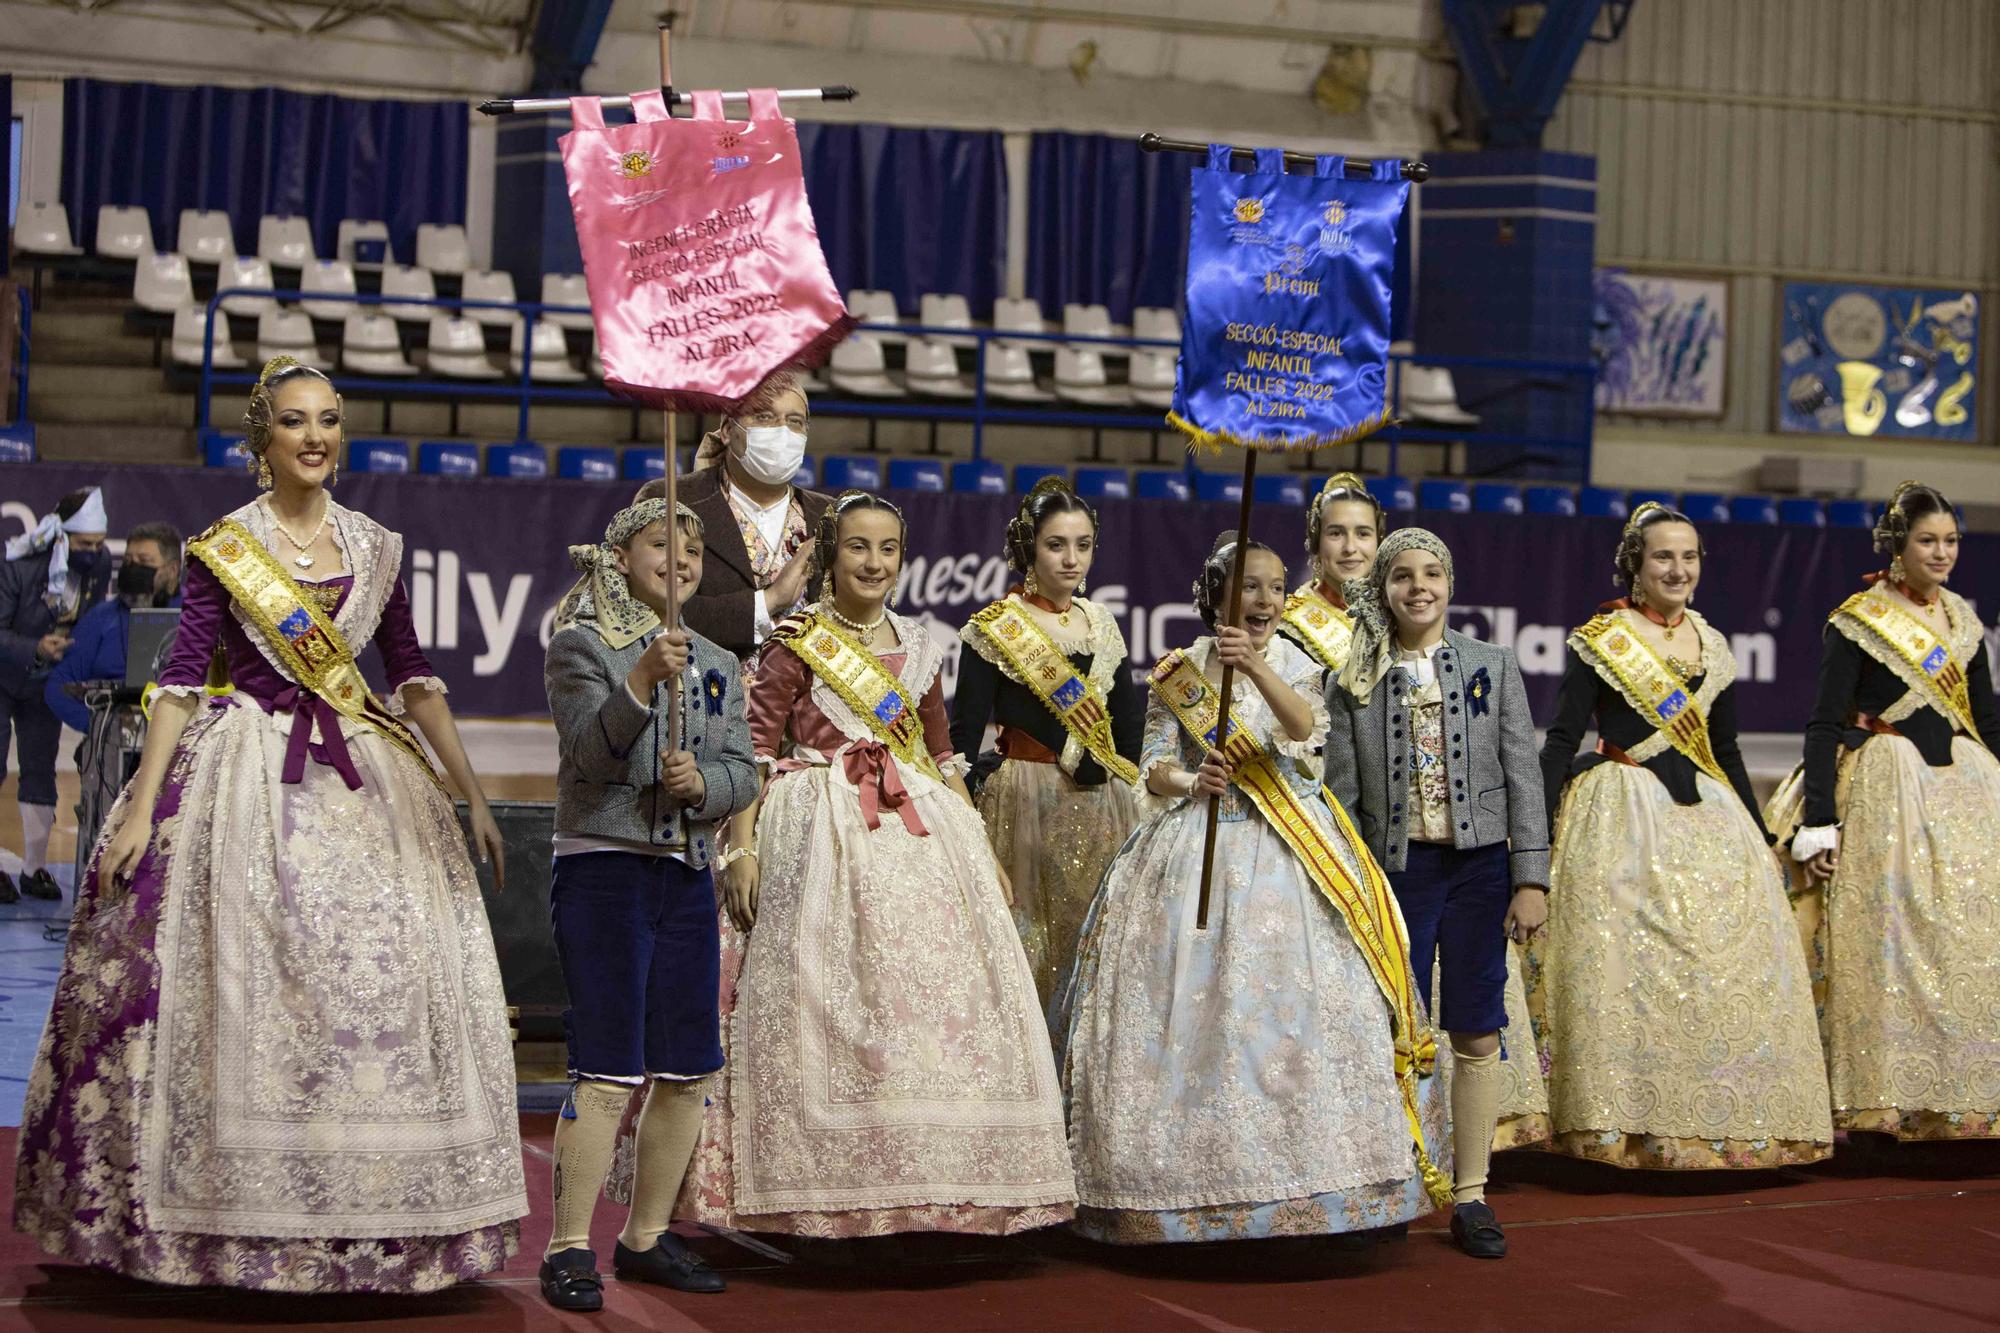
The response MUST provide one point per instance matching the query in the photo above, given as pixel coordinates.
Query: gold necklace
(302, 560)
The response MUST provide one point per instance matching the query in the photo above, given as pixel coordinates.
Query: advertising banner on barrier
(486, 565)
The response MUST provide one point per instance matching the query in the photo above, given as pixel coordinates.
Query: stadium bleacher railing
(980, 411)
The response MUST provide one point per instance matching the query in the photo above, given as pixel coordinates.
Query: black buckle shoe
(42, 885)
(1477, 1231)
(670, 1263)
(570, 1281)
(8, 893)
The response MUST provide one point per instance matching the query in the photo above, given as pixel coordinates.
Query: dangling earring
(1896, 568)
(1638, 595)
(263, 473)
(1029, 584)
(1081, 584)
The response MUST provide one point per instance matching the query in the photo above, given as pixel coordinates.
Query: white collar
(782, 502)
(1418, 654)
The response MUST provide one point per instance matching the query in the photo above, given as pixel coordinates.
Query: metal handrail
(977, 411)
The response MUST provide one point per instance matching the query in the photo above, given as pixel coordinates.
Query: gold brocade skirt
(1670, 987)
(1055, 840)
(1904, 941)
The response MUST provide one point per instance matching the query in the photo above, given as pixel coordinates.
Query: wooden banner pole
(1228, 679)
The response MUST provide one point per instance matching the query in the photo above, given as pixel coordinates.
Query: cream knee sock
(669, 1128)
(37, 822)
(584, 1145)
(1475, 1109)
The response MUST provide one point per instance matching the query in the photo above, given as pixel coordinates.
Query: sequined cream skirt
(1905, 940)
(1674, 999)
(1055, 839)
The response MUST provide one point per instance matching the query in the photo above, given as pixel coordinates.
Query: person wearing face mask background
(759, 525)
(149, 577)
(54, 573)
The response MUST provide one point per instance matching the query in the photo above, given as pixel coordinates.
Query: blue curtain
(909, 211)
(252, 151)
(1108, 225)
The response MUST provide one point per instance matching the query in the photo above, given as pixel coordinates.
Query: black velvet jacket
(985, 694)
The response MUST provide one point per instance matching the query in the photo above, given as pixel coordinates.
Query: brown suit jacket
(724, 609)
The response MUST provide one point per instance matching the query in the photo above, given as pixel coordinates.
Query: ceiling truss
(489, 27)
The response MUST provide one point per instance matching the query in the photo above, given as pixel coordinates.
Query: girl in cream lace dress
(1239, 1081)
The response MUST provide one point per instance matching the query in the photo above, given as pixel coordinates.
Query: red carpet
(1885, 1238)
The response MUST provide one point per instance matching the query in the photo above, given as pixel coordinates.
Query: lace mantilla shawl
(1103, 641)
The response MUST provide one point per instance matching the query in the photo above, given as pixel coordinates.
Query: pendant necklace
(302, 560)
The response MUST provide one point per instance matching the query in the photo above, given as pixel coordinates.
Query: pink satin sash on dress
(699, 249)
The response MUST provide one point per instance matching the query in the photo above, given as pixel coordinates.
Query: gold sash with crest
(298, 632)
(860, 680)
(1324, 630)
(1625, 660)
(1921, 660)
(1032, 658)
(1368, 908)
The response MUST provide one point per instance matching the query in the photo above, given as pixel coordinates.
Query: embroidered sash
(1630, 665)
(1919, 658)
(299, 633)
(861, 682)
(1368, 908)
(1032, 658)
(1321, 628)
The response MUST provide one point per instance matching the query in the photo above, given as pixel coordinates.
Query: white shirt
(769, 520)
(1419, 662)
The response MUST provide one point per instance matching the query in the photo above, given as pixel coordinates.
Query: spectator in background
(54, 573)
(150, 576)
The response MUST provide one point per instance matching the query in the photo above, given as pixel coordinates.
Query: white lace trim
(398, 706)
(1810, 842)
(373, 556)
(179, 691)
(921, 659)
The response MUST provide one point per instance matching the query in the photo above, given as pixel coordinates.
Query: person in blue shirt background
(149, 576)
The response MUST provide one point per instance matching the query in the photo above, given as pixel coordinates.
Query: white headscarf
(52, 534)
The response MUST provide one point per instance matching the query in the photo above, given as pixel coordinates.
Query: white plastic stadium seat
(1149, 321)
(253, 274)
(288, 333)
(189, 334)
(1080, 378)
(1153, 376)
(442, 248)
(859, 368)
(333, 276)
(458, 349)
(946, 310)
(1023, 316)
(1427, 394)
(124, 233)
(369, 346)
(932, 370)
(484, 284)
(407, 280)
(285, 241)
(1010, 375)
(43, 229)
(162, 283)
(1090, 321)
(567, 289)
(357, 229)
(549, 354)
(205, 237)
(875, 307)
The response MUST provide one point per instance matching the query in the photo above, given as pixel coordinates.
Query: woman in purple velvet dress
(278, 1056)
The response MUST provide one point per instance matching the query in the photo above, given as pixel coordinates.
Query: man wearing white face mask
(758, 525)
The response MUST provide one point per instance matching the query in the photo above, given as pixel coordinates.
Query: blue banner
(1285, 345)
(1889, 361)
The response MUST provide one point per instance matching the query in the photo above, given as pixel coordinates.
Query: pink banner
(704, 267)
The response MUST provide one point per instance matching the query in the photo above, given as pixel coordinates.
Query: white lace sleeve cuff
(953, 766)
(1305, 754)
(179, 691)
(1810, 842)
(397, 706)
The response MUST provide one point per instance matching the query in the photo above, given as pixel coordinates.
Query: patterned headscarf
(601, 598)
(1374, 650)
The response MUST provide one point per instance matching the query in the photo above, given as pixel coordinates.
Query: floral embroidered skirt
(1055, 840)
(1903, 941)
(1236, 1082)
(1670, 988)
(279, 1059)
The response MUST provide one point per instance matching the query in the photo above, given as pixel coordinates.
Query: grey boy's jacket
(1491, 760)
(608, 776)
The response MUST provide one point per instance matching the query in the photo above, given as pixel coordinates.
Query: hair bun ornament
(1638, 516)
(276, 366)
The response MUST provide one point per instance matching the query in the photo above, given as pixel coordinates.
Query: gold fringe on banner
(1211, 442)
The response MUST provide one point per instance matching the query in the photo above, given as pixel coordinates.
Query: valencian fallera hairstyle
(1211, 586)
(278, 372)
(1908, 503)
(1631, 551)
(819, 575)
(1051, 496)
(1341, 486)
